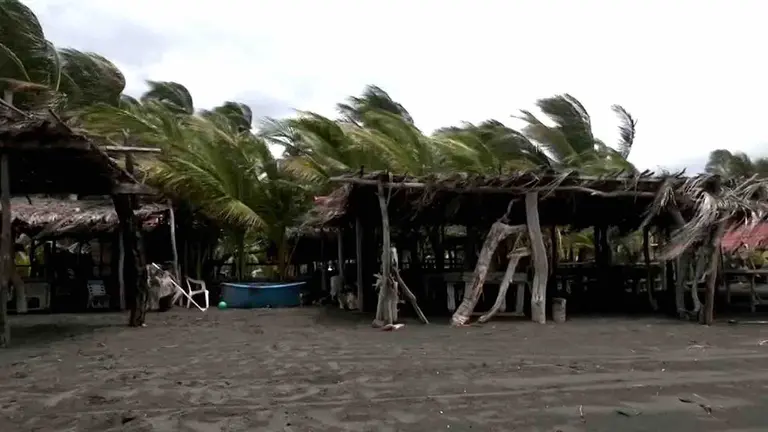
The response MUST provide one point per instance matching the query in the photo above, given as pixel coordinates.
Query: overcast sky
(692, 72)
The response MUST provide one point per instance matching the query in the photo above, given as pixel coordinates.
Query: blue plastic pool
(262, 294)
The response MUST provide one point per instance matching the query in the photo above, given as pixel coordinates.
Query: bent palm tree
(571, 143)
(735, 165)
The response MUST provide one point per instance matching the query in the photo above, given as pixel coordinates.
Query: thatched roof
(619, 199)
(47, 157)
(49, 217)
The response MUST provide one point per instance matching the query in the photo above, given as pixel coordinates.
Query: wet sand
(314, 369)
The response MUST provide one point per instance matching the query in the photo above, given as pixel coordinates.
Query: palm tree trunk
(241, 255)
(282, 254)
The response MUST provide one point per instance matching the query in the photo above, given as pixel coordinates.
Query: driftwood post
(648, 271)
(174, 249)
(540, 265)
(714, 265)
(498, 232)
(5, 250)
(386, 307)
(121, 268)
(340, 244)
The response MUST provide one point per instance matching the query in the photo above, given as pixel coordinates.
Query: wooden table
(750, 275)
(520, 280)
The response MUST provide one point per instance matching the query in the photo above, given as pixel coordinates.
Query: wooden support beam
(124, 149)
(540, 265)
(5, 250)
(714, 266)
(133, 189)
(648, 271)
(359, 261)
(340, 251)
(174, 249)
(68, 144)
(495, 189)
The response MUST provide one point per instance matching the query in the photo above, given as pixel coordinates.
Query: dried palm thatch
(460, 198)
(50, 218)
(710, 202)
(327, 210)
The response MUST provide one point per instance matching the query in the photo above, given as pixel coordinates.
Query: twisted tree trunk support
(714, 264)
(498, 232)
(514, 259)
(698, 274)
(386, 308)
(540, 265)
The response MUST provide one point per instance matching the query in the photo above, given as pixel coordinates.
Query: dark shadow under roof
(47, 157)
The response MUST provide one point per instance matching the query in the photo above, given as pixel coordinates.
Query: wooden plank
(46, 146)
(124, 149)
(133, 189)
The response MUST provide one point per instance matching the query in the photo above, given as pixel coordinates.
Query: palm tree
(212, 160)
(372, 99)
(34, 74)
(29, 63)
(736, 165)
(497, 147)
(571, 143)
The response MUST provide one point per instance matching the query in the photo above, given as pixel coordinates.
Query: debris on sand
(628, 412)
(705, 407)
(392, 327)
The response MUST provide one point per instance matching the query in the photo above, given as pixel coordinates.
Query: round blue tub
(248, 295)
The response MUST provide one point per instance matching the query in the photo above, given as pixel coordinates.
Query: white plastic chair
(97, 295)
(200, 290)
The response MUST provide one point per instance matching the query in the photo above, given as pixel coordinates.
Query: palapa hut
(75, 243)
(39, 154)
(685, 213)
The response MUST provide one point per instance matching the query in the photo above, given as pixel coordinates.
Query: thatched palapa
(620, 199)
(49, 218)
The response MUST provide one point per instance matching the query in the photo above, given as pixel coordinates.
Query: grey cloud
(263, 105)
(121, 41)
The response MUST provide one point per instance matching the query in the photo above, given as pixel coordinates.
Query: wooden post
(174, 250)
(648, 271)
(121, 268)
(539, 288)
(5, 250)
(340, 247)
(323, 265)
(135, 274)
(359, 261)
(714, 265)
(386, 308)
